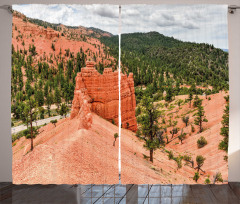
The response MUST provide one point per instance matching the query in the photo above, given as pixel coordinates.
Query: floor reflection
(109, 194)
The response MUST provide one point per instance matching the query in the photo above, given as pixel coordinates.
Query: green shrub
(157, 96)
(115, 136)
(166, 105)
(188, 159)
(223, 145)
(54, 122)
(179, 161)
(201, 142)
(207, 181)
(225, 158)
(26, 133)
(113, 122)
(170, 155)
(163, 121)
(138, 133)
(196, 176)
(192, 128)
(53, 47)
(200, 161)
(42, 111)
(138, 111)
(219, 177)
(16, 137)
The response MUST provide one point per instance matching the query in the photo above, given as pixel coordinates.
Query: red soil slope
(136, 169)
(25, 33)
(65, 154)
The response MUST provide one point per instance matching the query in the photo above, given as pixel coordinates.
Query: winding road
(19, 128)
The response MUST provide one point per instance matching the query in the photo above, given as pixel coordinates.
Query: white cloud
(197, 23)
(103, 10)
(104, 17)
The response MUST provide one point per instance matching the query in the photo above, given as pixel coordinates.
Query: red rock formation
(39, 31)
(100, 93)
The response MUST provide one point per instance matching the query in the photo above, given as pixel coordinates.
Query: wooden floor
(109, 194)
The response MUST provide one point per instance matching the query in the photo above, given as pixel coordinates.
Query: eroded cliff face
(99, 93)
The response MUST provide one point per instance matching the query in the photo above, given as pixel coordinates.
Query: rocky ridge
(98, 93)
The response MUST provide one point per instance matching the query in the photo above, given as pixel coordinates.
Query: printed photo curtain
(173, 98)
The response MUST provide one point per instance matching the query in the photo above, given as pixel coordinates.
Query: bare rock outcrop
(99, 93)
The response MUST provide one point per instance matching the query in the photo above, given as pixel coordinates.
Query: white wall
(5, 96)
(234, 79)
(5, 77)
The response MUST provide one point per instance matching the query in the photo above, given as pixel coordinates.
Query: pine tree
(200, 161)
(49, 102)
(177, 89)
(115, 138)
(69, 69)
(169, 94)
(46, 89)
(41, 111)
(197, 101)
(179, 103)
(182, 136)
(185, 119)
(63, 110)
(57, 97)
(53, 47)
(223, 145)
(173, 124)
(190, 97)
(149, 125)
(39, 98)
(155, 88)
(30, 111)
(28, 89)
(174, 131)
(200, 118)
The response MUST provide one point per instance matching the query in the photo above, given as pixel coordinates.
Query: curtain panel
(131, 94)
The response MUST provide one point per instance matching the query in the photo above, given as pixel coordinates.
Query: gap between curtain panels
(119, 92)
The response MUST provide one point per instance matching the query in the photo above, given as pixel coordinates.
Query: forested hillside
(160, 62)
(170, 78)
(46, 58)
(91, 31)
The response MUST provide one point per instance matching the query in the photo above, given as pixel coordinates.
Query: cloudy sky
(195, 23)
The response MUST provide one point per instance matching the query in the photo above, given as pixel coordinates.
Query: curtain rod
(7, 7)
(232, 9)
